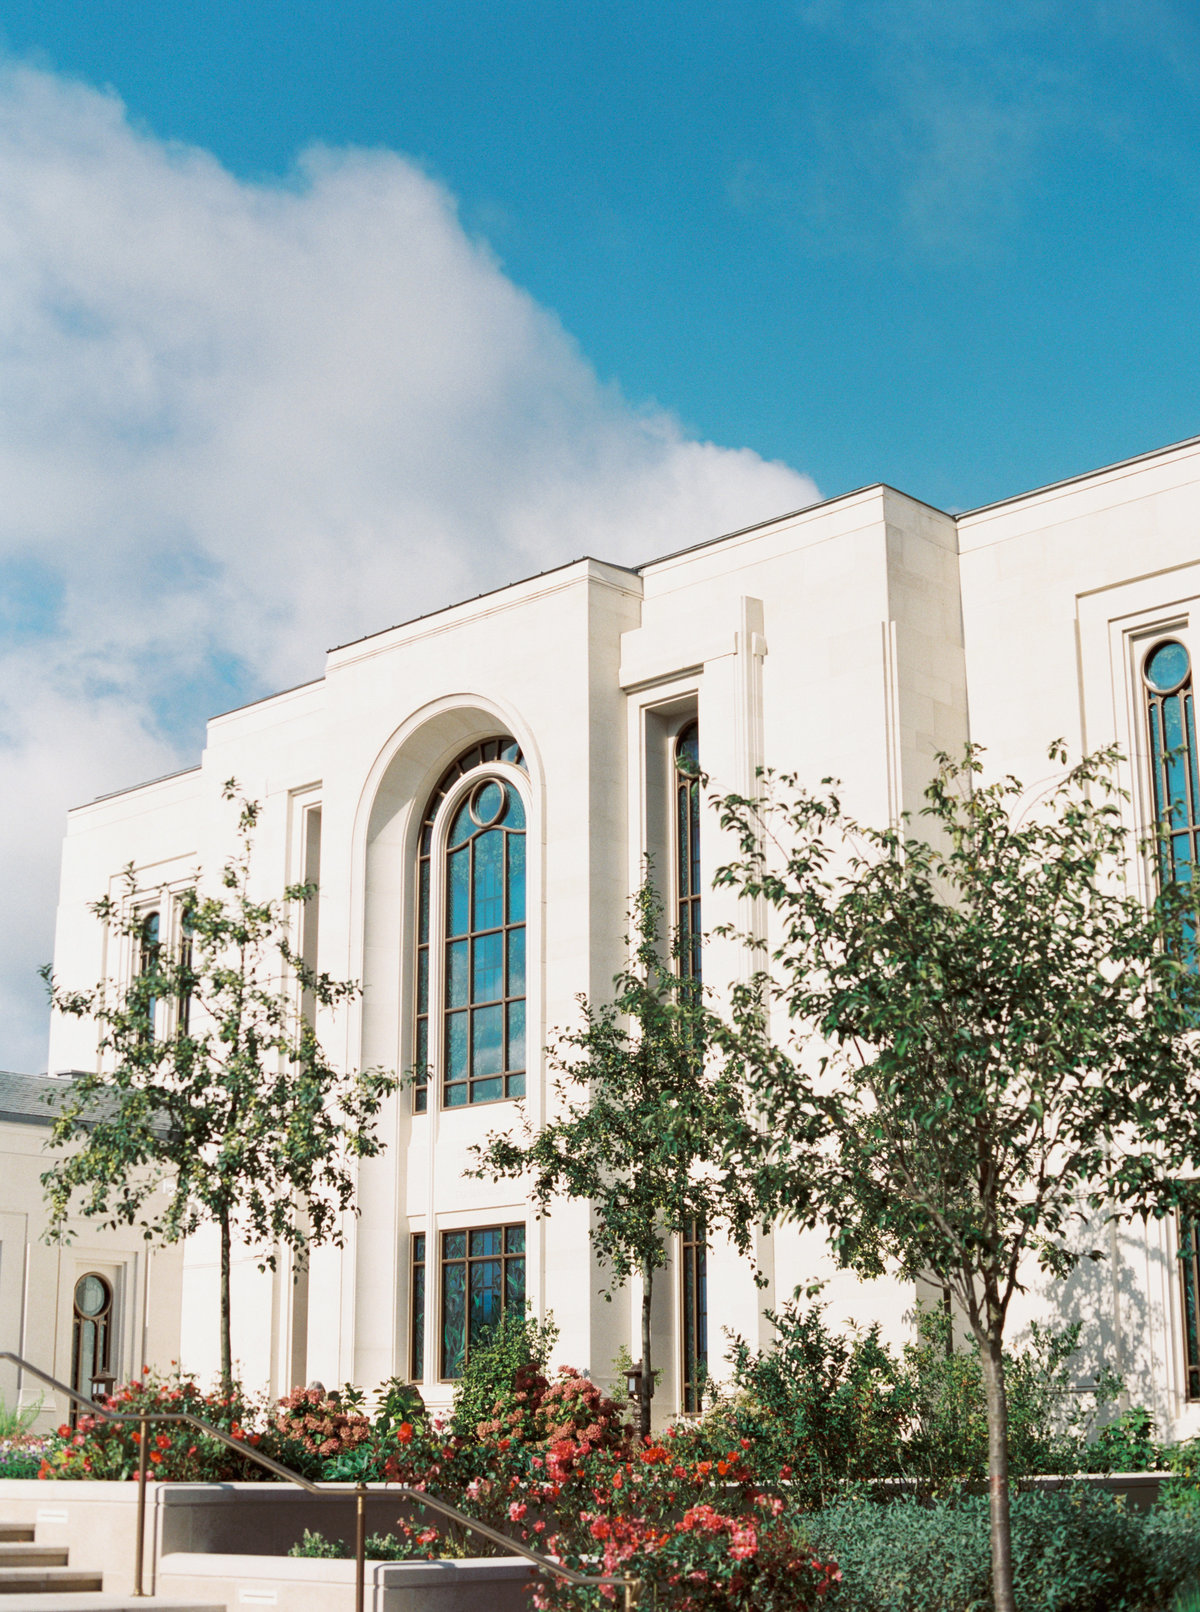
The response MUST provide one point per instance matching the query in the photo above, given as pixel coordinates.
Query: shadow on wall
(1122, 1324)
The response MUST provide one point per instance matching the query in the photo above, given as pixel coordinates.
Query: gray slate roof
(23, 1098)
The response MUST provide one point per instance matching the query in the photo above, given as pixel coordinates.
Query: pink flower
(744, 1543)
(517, 1510)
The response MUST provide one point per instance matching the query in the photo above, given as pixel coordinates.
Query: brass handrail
(631, 1586)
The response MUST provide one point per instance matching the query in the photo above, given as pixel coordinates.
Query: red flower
(404, 1433)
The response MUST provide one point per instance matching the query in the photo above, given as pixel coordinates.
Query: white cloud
(241, 422)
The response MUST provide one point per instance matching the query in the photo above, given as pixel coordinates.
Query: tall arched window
(1167, 671)
(687, 850)
(1175, 778)
(471, 883)
(693, 1250)
(149, 942)
(92, 1331)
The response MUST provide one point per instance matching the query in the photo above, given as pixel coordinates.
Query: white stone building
(855, 638)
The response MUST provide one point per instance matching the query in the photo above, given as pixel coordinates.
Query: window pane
(454, 1318)
(514, 817)
(516, 1035)
(514, 1284)
(485, 1242)
(485, 1298)
(514, 1085)
(419, 1247)
(423, 902)
(458, 892)
(456, 1046)
(1167, 666)
(514, 1240)
(454, 1245)
(487, 1030)
(516, 878)
(454, 1096)
(423, 980)
(462, 827)
(422, 1048)
(489, 968)
(516, 962)
(458, 974)
(487, 803)
(489, 879)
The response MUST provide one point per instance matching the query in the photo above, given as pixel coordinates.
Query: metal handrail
(631, 1586)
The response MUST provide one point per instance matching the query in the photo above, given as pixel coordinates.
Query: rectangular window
(483, 1276)
(1189, 1278)
(694, 1259)
(417, 1291)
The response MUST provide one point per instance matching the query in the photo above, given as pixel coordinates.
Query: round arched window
(1167, 666)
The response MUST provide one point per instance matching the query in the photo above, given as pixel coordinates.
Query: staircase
(39, 1578)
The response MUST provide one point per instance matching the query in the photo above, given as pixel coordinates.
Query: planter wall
(308, 1585)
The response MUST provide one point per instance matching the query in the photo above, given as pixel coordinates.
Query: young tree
(648, 1131)
(214, 1101)
(993, 1038)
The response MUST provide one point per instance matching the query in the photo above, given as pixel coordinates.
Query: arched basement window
(471, 884)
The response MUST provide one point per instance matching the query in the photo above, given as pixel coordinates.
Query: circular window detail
(488, 802)
(92, 1296)
(1167, 666)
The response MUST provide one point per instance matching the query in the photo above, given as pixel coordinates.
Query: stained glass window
(1173, 759)
(694, 1255)
(687, 850)
(483, 1275)
(417, 1306)
(1189, 1275)
(91, 1333)
(148, 954)
(483, 997)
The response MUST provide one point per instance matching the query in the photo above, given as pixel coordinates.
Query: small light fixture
(635, 1383)
(102, 1385)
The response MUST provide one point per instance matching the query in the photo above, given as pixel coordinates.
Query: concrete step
(45, 1580)
(15, 1553)
(91, 1602)
(16, 1532)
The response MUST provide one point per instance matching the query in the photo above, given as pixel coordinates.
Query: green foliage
(993, 1033)
(16, 1420)
(315, 1544)
(825, 1409)
(649, 1131)
(1052, 1426)
(1074, 1550)
(1126, 1444)
(821, 1407)
(214, 1101)
(488, 1385)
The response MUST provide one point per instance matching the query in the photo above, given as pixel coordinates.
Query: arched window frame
(430, 954)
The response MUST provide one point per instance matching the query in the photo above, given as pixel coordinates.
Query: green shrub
(411, 1544)
(821, 1407)
(824, 1408)
(1075, 1549)
(486, 1388)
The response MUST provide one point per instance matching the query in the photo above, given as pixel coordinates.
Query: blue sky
(314, 317)
(949, 246)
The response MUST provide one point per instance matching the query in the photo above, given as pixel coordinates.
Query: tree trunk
(226, 1345)
(647, 1364)
(991, 1359)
